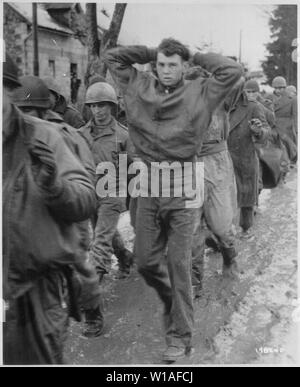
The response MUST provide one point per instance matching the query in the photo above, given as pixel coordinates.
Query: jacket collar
(97, 133)
(168, 90)
(242, 100)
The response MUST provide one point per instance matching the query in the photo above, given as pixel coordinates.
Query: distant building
(61, 43)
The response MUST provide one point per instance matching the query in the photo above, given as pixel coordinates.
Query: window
(75, 82)
(52, 67)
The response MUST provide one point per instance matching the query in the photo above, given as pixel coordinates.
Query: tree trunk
(93, 42)
(97, 48)
(110, 38)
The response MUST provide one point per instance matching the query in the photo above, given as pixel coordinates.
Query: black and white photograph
(149, 187)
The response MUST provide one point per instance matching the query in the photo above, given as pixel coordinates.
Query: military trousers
(217, 214)
(246, 218)
(160, 225)
(36, 324)
(105, 225)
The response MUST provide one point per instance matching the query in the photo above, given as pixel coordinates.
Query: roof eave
(19, 13)
(39, 26)
(56, 31)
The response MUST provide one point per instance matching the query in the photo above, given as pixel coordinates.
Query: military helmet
(95, 79)
(53, 86)
(101, 92)
(32, 93)
(291, 89)
(252, 85)
(10, 71)
(278, 82)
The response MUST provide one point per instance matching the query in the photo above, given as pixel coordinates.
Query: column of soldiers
(52, 268)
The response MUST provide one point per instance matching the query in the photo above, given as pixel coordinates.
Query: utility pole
(240, 46)
(35, 40)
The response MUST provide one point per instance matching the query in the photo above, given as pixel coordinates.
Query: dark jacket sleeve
(73, 118)
(270, 116)
(79, 146)
(225, 74)
(85, 156)
(269, 113)
(73, 197)
(120, 63)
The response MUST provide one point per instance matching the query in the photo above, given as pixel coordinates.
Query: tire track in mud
(232, 319)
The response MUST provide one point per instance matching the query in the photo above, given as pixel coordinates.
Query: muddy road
(251, 321)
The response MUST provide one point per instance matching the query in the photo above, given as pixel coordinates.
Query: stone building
(61, 43)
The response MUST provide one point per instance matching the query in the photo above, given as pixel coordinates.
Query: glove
(256, 126)
(43, 164)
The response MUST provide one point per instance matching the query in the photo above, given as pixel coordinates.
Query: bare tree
(92, 38)
(110, 38)
(97, 48)
(93, 41)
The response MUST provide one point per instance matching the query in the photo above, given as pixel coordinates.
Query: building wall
(54, 46)
(62, 50)
(14, 32)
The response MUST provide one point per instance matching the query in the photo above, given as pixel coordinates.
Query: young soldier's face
(251, 94)
(170, 69)
(279, 90)
(101, 111)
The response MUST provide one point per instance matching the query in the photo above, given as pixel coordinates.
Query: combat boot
(125, 259)
(174, 353)
(212, 243)
(230, 267)
(94, 322)
(246, 218)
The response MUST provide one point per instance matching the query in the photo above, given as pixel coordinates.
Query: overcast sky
(196, 24)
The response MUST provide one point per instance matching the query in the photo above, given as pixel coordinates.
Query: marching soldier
(274, 160)
(168, 119)
(248, 126)
(107, 140)
(46, 191)
(219, 206)
(59, 104)
(33, 98)
(285, 109)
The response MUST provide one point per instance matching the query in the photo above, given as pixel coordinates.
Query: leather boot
(94, 322)
(125, 259)
(230, 267)
(174, 353)
(212, 243)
